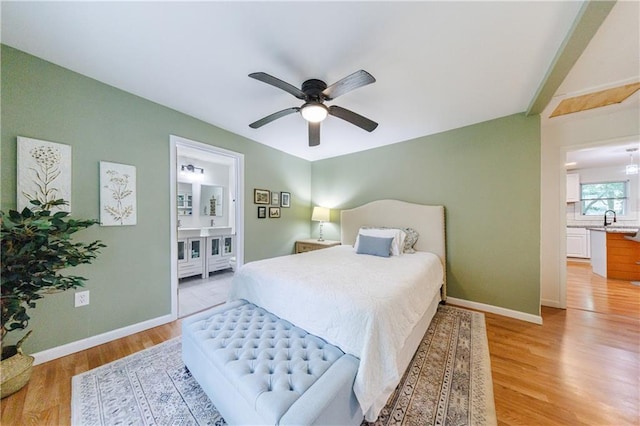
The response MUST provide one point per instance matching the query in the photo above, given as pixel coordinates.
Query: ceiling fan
(314, 93)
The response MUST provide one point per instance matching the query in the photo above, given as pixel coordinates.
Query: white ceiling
(438, 65)
(603, 156)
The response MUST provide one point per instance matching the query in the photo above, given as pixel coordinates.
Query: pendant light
(632, 168)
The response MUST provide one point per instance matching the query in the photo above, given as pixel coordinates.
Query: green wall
(486, 175)
(488, 178)
(130, 281)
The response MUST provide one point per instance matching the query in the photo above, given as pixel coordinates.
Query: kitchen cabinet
(190, 257)
(220, 249)
(614, 256)
(573, 187)
(578, 243)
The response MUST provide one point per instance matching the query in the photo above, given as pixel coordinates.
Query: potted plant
(35, 246)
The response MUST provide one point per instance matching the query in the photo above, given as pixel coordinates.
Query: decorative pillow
(410, 240)
(376, 246)
(398, 236)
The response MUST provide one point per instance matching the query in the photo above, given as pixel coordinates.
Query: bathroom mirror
(211, 200)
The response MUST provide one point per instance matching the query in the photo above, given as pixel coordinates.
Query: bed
(374, 308)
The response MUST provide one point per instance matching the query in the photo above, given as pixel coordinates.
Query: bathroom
(206, 229)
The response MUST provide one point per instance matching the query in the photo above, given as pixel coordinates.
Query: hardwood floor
(591, 292)
(581, 367)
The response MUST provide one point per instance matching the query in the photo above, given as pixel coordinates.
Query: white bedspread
(365, 305)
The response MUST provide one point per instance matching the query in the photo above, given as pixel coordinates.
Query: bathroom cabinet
(220, 249)
(190, 257)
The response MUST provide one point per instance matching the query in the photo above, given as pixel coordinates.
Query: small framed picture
(274, 212)
(261, 196)
(275, 198)
(285, 199)
(262, 212)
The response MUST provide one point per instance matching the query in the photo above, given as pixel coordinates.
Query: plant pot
(15, 371)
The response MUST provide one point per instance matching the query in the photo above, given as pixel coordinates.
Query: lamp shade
(320, 214)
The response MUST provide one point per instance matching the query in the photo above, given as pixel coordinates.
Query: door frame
(238, 220)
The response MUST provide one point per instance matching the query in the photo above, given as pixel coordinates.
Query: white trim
(536, 319)
(89, 342)
(551, 303)
(173, 221)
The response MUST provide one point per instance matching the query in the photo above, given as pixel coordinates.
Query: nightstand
(313, 244)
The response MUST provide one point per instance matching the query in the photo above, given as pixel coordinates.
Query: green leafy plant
(36, 246)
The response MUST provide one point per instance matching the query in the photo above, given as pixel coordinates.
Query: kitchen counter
(615, 229)
(614, 256)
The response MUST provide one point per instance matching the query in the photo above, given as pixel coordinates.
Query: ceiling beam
(591, 15)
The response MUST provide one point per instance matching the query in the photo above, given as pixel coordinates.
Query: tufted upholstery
(270, 362)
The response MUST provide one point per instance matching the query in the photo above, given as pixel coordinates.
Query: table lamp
(320, 214)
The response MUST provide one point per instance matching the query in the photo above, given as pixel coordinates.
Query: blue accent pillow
(376, 246)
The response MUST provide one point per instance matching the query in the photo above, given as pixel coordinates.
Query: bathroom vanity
(204, 250)
(206, 239)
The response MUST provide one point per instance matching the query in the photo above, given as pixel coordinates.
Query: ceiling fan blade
(269, 79)
(269, 118)
(353, 118)
(347, 84)
(314, 134)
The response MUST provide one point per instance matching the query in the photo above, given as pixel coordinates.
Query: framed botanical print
(44, 173)
(275, 198)
(117, 194)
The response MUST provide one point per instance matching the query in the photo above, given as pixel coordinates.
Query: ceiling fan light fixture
(314, 112)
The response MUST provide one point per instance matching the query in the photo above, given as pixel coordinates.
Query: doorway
(207, 226)
(600, 167)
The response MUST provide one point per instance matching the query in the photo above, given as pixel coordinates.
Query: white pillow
(398, 235)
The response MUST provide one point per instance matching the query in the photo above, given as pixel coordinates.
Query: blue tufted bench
(259, 369)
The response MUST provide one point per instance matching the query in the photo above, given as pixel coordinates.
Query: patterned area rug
(448, 382)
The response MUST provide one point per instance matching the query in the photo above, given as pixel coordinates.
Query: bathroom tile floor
(196, 294)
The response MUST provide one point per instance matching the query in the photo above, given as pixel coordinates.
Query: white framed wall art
(44, 173)
(117, 194)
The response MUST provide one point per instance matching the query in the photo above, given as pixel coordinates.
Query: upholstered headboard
(427, 220)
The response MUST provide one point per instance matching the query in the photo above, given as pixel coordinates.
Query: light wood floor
(581, 367)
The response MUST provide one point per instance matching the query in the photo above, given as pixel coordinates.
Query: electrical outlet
(82, 298)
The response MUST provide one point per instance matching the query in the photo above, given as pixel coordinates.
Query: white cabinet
(578, 244)
(573, 187)
(190, 257)
(185, 204)
(220, 249)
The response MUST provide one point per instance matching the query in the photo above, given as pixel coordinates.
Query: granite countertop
(615, 229)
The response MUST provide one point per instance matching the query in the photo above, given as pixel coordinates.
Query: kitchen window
(596, 198)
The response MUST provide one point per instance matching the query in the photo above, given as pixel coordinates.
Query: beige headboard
(427, 220)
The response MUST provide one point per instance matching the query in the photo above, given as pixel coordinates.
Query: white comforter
(365, 305)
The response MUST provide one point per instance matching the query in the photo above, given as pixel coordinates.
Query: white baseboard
(89, 342)
(536, 319)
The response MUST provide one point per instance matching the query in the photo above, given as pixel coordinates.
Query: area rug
(448, 382)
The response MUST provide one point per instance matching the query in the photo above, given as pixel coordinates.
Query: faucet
(605, 217)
